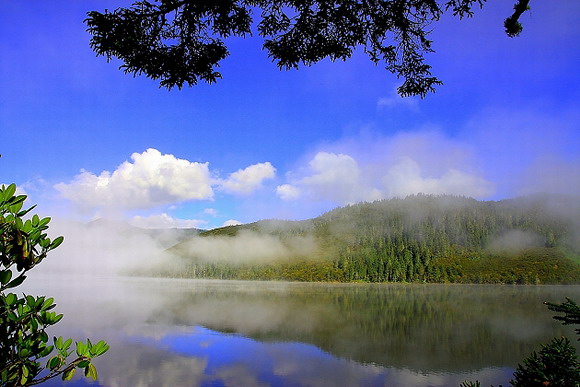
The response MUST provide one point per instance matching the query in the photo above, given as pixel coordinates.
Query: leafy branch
(24, 342)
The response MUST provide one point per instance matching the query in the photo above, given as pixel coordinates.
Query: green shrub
(24, 343)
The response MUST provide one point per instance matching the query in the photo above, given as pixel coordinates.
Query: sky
(84, 140)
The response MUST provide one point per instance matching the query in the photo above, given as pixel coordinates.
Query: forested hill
(420, 238)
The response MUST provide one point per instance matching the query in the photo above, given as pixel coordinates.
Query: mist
(103, 248)
(247, 247)
(514, 241)
(107, 247)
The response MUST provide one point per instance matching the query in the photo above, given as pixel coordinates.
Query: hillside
(417, 239)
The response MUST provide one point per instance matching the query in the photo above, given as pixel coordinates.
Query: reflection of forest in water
(419, 327)
(395, 335)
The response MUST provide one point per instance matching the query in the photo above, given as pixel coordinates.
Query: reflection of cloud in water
(302, 334)
(140, 365)
(236, 375)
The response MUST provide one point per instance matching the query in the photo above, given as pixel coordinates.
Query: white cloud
(288, 192)
(231, 222)
(405, 178)
(329, 176)
(245, 181)
(388, 167)
(165, 221)
(210, 211)
(152, 179)
(248, 246)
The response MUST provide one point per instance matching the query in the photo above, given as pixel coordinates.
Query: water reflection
(182, 333)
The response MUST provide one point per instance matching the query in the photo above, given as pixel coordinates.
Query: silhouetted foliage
(182, 41)
(571, 313)
(556, 365)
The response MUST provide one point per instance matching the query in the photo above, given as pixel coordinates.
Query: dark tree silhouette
(182, 41)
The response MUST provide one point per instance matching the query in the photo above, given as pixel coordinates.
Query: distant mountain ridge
(421, 238)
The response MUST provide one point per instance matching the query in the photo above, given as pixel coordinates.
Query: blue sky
(84, 140)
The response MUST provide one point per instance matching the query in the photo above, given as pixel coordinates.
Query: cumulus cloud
(330, 176)
(405, 178)
(150, 180)
(154, 180)
(165, 221)
(342, 179)
(288, 192)
(245, 181)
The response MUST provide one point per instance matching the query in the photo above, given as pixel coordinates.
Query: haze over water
(228, 333)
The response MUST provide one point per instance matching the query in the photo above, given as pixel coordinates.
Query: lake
(169, 332)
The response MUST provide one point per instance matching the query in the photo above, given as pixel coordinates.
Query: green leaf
(31, 301)
(67, 343)
(44, 221)
(33, 324)
(16, 207)
(5, 276)
(15, 282)
(91, 372)
(11, 299)
(9, 191)
(24, 212)
(68, 374)
(27, 226)
(56, 319)
(48, 304)
(48, 349)
(84, 364)
(54, 363)
(56, 242)
(99, 348)
(81, 348)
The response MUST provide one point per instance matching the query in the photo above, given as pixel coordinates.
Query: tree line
(421, 238)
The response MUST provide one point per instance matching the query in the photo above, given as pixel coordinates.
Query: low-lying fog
(366, 334)
(108, 247)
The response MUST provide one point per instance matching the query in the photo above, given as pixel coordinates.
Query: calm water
(230, 333)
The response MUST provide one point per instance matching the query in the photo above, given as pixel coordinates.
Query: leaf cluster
(23, 243)
(24, 341)
(182, 41)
